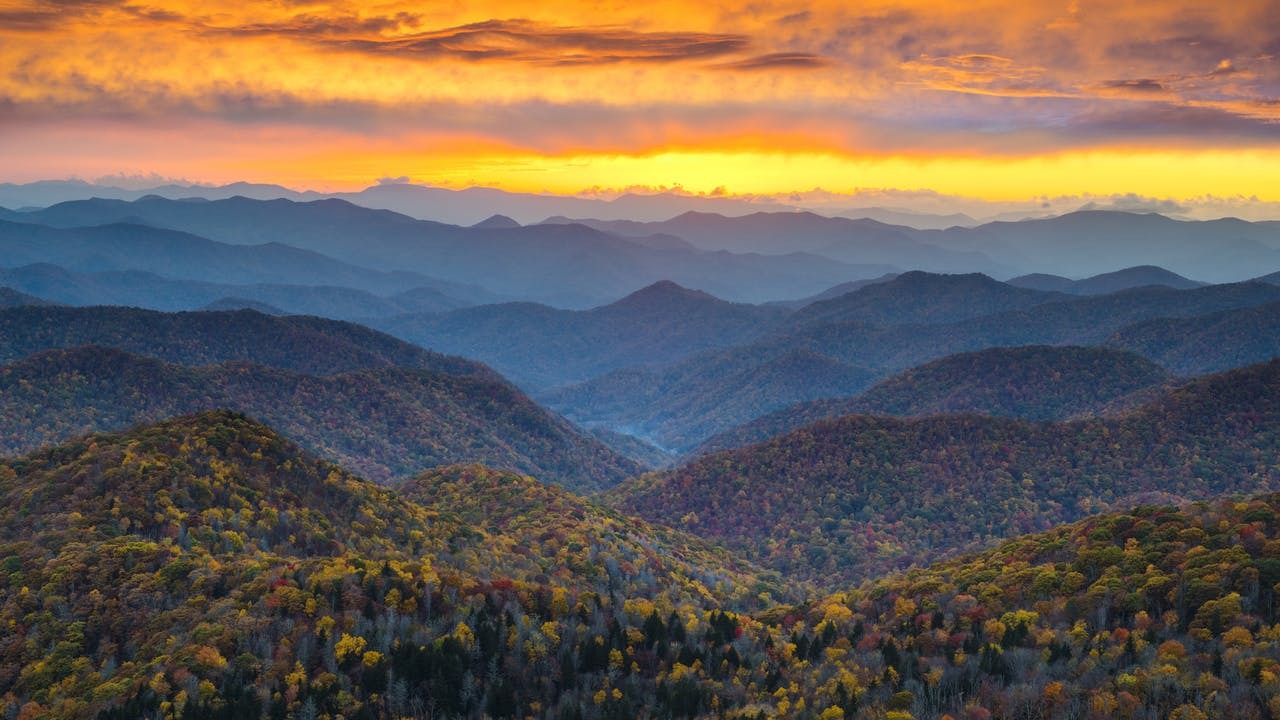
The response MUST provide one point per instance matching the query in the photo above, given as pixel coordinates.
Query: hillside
(1157, 612)
(126, 245)
(305, 344)
(505, 505)
(844, 499)
(1206, 343)
(208, 565)
(12, 298)
(623, 401)
(383, 423)
(231, 304)
(1073, 321)
(136, 288)
(1128, 278)
(1037, 382)
(1089, 242)
(832, 292)
(776, 233)
(204, 567)
(922, 299)
(539, 347)
(678, 407)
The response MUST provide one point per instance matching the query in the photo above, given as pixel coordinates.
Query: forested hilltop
(849, 498)
(205, 568)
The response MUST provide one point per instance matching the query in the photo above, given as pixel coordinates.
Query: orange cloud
(1008, 82)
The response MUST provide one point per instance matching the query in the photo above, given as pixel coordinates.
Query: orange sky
(996, 100)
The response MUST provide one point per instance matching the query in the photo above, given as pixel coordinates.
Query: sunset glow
(997, 100)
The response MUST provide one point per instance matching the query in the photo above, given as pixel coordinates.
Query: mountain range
(843, 499)
(853, 354)
(385, 423)
(137, 288)
(815, 505)
(569, 265)
(540, 346)
(1033, 382)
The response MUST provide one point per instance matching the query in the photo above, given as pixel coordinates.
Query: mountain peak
(664, 291)
(496, 222)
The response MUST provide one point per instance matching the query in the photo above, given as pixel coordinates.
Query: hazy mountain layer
(540, 347)
(306, 344)
(1035, 383)
(383, 423)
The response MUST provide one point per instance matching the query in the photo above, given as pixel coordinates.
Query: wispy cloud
(778, 61)
(517, 40)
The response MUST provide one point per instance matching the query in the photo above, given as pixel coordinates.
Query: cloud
(319, 27)
(1139, 86)
(51, 15)
(983, 74)
(778, 61)
(530, 42)
(1132, 202)
(797, 17)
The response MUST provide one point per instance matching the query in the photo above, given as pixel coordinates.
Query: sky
(994, 100)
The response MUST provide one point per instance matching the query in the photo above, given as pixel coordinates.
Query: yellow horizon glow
(1160, 173)
(996, 100)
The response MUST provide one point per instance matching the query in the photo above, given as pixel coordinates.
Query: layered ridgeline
(1038, 382)
(569, 265)
(849, 346)
(304, 344)
(1138, 276)
(1206, 343)
(385, 423)
(205, 567)
(842, 499)
(540, 346)
(920, 298)
(12, 298)
(350, 393)
(127, 245)
(137, 288)
(677, 408)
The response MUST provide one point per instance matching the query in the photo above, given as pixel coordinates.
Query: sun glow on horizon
(998, 100)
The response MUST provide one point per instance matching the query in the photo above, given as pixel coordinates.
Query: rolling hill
(678, 407)
(1154, 612)
(922, 298)
(204, 566)
(208, 565)
(1074, 321)
(136, 288)
(626, 400)
(12, 298)
(1206, 343)
(183, 256)
(384, 423)
(846, 498)
(1128, 278)
(304, 344)
(1038, 382)
(539, 346)
(504, 505)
